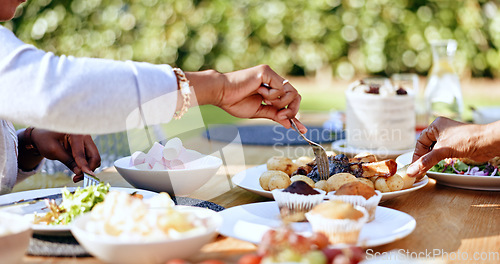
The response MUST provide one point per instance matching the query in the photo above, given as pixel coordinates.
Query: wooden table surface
(452, 223)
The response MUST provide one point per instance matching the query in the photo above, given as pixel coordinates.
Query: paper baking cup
(357, 200)
(293, 206)
(339, 231)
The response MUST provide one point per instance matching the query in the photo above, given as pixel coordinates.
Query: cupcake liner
(293, 206)
(370, 205)
(339, 231)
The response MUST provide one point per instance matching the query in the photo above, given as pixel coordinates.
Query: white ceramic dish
(27, 210)
(340, 147)
(14, 238)
(175, 182)
(249, 222)
(109, 250)
(249, 180)
(482, 183)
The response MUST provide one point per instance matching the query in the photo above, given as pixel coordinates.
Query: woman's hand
(77, 152)
(242, 94)
(446, 138)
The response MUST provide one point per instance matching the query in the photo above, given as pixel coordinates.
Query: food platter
(28, 209)
(483, 183)
(340, 147)
(249, 180)
(250, 221)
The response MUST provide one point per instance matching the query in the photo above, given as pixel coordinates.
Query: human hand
(77, 152)
(446, 138)
(243, 95)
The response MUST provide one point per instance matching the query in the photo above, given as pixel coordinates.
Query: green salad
(456, 166)
(73, 204)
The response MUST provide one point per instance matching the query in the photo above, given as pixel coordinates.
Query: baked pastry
(304, 179)
(341, 222)
(296, 200)
(283, 164)
(359, 194)
(273, 179)
(356, 188)
(339, 179)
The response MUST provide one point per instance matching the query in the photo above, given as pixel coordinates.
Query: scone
(341, 222)
(296, 200)
(359, 194)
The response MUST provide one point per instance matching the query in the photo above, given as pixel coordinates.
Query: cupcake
(296, 200)
(358, 193)
(341, 222)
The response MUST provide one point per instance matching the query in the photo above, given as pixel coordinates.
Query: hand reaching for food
(446, 138)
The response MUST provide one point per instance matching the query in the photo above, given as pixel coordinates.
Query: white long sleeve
(80, 95)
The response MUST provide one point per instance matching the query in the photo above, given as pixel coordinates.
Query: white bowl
(175, 182)
(111, 250)
(14, 238)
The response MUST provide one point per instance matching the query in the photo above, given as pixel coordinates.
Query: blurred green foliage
(297, 37)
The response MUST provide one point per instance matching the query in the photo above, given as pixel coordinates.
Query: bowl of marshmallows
(171, 168)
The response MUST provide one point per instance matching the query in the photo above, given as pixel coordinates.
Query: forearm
(490, 139)
(27, 159)
(80, 95)
(207, 87)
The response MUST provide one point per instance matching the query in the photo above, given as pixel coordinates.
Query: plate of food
(280, 172)
(250, 222)
(462, 173)
(52, 210)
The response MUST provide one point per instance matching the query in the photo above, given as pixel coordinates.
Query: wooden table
(453, 223)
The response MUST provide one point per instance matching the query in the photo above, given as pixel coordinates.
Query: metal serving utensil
(89, 180)
(319, 152)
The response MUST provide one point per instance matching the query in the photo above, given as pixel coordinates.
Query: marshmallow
(156, 152)
(173, 149)
(177, 164)
(158, 166)
(137, 158)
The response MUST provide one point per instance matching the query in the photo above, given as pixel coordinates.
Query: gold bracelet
(185, 88)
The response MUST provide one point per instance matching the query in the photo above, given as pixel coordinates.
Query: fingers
(92, 153)
(78, 151)
(424, 163)
(425, 142)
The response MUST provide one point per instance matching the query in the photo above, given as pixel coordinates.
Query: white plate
(482, 183)
(29, 209)
(340, 147)
(249, 222)
(249, 180)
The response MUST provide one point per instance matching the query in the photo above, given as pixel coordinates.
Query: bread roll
(322, 185)
(395, 183)
(339, 179)
(366, 181)
(279, 181)
(283, 164)
(266, 177)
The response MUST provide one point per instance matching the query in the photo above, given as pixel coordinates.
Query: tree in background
(295, 37)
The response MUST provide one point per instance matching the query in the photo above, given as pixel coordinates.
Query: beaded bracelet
(185, 88)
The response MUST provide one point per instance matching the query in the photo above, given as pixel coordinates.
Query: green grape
(288, 255)
(314, 257)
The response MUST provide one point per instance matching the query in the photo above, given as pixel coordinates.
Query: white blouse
(75, 95)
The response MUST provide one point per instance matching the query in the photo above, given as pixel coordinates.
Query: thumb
(423, 164)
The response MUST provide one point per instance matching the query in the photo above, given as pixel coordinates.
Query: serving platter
(482, 183)
(249, 180)
(249, 222)
(39, 207)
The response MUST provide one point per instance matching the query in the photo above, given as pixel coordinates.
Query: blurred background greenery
(348, 38)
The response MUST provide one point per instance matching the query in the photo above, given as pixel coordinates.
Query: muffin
(359, 194)
(296, 200)
(341, 222)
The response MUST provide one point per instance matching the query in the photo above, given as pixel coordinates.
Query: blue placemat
(269, 135)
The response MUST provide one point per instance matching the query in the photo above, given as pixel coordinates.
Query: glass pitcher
(443, 95)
